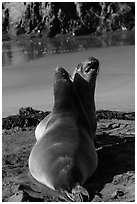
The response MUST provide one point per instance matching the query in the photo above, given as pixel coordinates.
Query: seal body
(64, 155)
(41, 127)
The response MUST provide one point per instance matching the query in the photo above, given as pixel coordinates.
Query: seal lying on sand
(64, 155)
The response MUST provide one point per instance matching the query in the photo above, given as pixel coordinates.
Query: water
(26, 50)
(28, 70)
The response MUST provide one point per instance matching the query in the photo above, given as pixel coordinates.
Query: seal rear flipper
(76, 195)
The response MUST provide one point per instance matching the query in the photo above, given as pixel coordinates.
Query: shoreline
(29, 117)
(8, 38)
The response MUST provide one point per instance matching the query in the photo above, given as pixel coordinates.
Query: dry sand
(113, 181)
(30, 84)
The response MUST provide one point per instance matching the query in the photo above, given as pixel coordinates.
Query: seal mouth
(88, 69)
(89, 65)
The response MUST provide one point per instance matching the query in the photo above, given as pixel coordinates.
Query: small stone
(116, 194)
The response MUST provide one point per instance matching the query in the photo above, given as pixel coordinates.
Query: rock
(109, 16)
(116, 194)
(22, 196)
(121, 188)
(113, 126)
(16, 129)
(3, 131)
(20, 31)
(54, 28)
(80, 31)
(27, 117)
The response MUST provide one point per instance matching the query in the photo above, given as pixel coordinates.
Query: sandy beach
(31, 84)
(113, 181)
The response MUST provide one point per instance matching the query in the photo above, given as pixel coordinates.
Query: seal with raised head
(84, 81)
(64, 155)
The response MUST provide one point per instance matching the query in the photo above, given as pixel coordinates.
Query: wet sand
(31, 84)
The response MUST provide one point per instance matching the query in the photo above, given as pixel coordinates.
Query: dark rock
(20, 31)
(106, 114)
(6, 37)
(27, 117)
(22, 196)
(5, 21)
(82, 30)
(55, 27)
(107, 16)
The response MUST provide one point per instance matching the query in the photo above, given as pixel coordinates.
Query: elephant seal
(84, 81)
(64, 155)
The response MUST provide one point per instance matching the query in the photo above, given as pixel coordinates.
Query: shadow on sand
(115, 156)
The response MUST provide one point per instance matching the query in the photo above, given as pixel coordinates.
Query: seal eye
(79, 66)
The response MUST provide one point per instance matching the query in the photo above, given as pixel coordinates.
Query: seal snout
(91, 64)
(89, 67)
(61, 73)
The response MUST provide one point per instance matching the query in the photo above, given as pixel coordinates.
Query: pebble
(116, 194)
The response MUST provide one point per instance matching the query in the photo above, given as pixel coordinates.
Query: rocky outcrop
(29, 117)
(78, 18)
